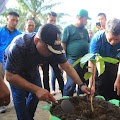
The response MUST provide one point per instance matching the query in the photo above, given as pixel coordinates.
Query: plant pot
(103, 110)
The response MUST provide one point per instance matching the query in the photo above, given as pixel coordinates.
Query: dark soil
(103, 110)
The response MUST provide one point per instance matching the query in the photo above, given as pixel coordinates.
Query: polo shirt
(76, 40)
(6, 36)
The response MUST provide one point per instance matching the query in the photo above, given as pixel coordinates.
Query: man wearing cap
(75, 41)
(25, 53)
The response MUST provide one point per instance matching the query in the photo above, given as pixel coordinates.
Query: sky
(110, 7)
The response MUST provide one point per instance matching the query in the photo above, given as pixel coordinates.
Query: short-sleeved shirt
(23, 58)
(100, 45)
(76, 40)
(6, 36)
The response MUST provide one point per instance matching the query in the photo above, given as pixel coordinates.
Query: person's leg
(107, 79)
(45, 68)
(70, 84)
(32, 99)
(19, 100)
(81, 72)
(53, 78)
(25, 108)
(58, 75)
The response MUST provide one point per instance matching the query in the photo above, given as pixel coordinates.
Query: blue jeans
(70, 84)
(25, 107)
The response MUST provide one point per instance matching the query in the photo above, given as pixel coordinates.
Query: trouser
(57, 71)
(45, 69)
(57, 74)
(25, 108)
(105, 83)
(1, 70)
(70, 84)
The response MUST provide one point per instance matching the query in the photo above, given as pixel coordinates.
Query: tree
(35, 9)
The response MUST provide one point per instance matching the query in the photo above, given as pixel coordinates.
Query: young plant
(100, 66)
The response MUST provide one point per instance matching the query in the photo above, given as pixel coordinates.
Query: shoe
(2, 109)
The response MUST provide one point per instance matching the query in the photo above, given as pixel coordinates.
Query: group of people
(21, 54)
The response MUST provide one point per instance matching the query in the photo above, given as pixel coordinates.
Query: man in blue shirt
(106, 44)
(7, 34)
(25, 53)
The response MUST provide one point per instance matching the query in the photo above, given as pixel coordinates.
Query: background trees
(35, 9)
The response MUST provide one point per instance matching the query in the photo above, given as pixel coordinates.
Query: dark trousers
(105, 83)
(57, 72)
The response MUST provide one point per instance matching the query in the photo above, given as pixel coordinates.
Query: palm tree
(37, 10)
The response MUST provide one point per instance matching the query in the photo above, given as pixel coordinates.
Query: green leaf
(82, 65)
(88, 67)
(86, 58)
(87, 75)
(100, 65)
(109, 60)
(93, 61)
(76, 62)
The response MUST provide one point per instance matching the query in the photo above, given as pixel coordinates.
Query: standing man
(106, 43)
(75, 40)
(102, 20)
(29, 26)
(7, 34)
(52, 16)
(26, 52)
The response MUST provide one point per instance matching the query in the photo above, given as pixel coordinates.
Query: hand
(92, 91)
(4, 94)
(117, 86)
(85, 89)
(44, 95)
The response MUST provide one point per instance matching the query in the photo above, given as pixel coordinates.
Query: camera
(98, 24)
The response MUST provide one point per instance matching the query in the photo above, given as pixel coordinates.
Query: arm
(64, 46)
(4, 93)
(74, 76)
(18, 81)
(92, 77)
(117, 82)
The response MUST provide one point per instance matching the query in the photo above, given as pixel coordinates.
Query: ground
(39, 115)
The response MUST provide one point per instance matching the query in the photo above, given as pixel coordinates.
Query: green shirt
(76, 40)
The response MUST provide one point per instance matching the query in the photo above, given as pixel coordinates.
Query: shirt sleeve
(59, 59)
(65, 35)
(15, 59)
(95, 44)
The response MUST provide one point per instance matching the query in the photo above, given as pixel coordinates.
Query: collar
(9, 30)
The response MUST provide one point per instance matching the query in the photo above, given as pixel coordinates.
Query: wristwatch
(81, 85)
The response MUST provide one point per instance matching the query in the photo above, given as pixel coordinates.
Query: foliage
(35, 9)
(98, 61)
(100, 65)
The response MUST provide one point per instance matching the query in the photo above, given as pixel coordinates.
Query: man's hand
(117, 86)
(4, 94)
(44, 95)
(85, 89)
